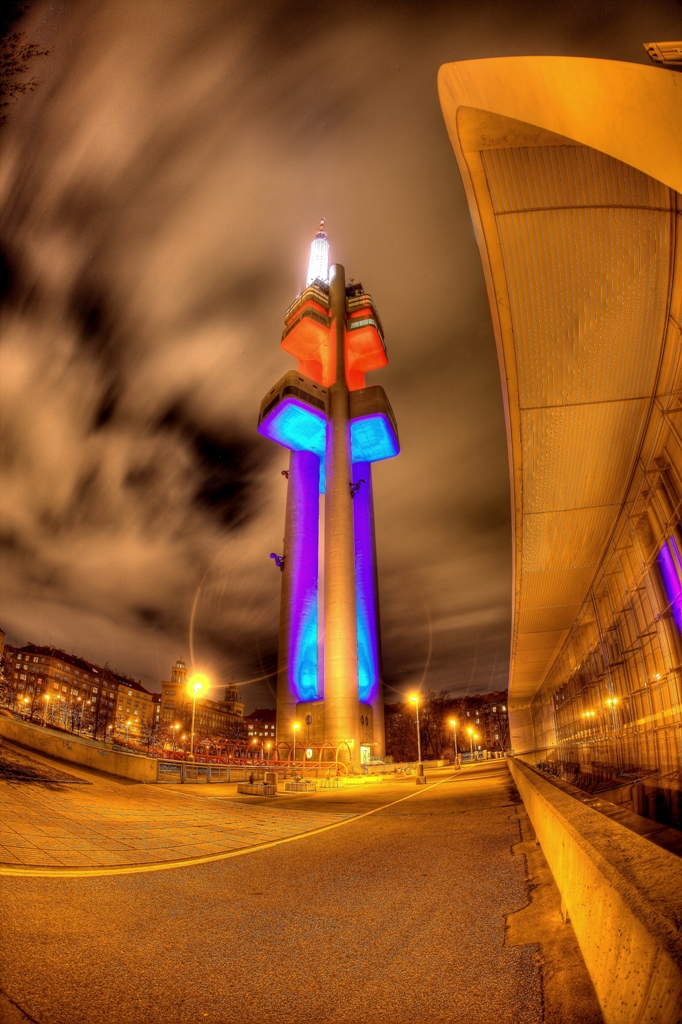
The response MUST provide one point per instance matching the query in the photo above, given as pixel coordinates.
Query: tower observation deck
(335, 426)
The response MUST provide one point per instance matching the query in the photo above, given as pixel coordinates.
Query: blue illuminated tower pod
(329, 674)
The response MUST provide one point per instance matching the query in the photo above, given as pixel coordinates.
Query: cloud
(158, 193)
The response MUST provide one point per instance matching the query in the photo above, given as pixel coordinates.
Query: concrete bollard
(183, 772)
(208, 773)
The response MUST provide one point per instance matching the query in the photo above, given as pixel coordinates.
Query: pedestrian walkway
(425, 903)
(47, 822)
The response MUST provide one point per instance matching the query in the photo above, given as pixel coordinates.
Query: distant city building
(47, 684)
(213, 718)
(487, 714)
(261, 722)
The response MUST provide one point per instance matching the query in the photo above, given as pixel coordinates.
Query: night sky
(160, 189)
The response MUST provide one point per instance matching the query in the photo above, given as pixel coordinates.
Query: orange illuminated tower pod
(335, 427)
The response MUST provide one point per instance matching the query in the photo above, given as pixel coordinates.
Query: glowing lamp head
(296, 726)
(198, 682)
(453, 721)
(318, 264)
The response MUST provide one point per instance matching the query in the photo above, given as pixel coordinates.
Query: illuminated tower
(329, 674)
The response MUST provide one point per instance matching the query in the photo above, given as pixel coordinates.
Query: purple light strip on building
(368, 654)
(670, 564)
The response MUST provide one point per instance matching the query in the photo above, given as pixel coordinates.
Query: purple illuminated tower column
(297, 676)
(370, 689)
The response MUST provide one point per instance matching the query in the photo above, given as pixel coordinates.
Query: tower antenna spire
(318, 264)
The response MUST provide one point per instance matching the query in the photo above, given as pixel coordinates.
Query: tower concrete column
(370, 683)
(297, 670)
(342, 719)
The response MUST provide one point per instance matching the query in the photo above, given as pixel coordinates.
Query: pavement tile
(79, 858)
(6, 857)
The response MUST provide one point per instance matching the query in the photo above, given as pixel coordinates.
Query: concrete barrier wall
(623, 896)
(78, 750)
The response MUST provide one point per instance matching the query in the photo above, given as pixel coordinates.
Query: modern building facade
(573, 173)
(335, 426)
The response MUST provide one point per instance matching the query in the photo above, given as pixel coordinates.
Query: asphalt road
(395, 917)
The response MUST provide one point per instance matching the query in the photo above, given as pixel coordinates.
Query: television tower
(329, 671)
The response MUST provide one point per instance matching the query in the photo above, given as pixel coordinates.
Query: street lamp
(46, 697)
(197, 682)
(415, 700)
(296, 726)
(453, 723)
(267, 747)
(471, 741)
(173, 729)
(127, 724)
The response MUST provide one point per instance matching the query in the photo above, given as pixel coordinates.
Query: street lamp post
(296, 727)
(415, 701)
(471, 742)
(267, 747)
(453, 723)
(127, 724)
(197, 682)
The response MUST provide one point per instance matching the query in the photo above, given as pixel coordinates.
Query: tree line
(436, 710)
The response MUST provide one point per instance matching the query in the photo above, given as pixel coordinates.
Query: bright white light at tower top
(318, 264)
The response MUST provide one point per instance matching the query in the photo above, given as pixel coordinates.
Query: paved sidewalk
(109, 824)
(406, 915)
